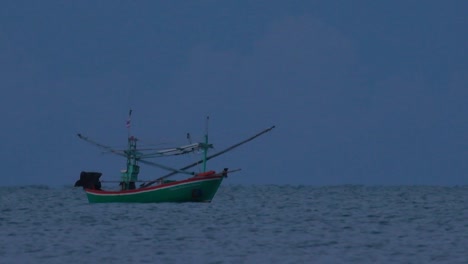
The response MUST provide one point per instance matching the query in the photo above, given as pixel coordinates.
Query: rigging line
(209, 157)
(175, 171)
(100, 145)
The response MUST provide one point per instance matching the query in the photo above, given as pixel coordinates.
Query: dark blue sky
(361, 92)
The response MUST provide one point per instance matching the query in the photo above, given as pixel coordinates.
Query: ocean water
(243, 224)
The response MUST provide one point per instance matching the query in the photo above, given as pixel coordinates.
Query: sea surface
(243, 224)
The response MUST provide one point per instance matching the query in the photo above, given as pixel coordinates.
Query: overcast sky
(361, 92)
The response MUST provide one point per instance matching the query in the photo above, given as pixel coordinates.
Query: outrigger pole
(207, 158)
(120, 153)
(132, 153)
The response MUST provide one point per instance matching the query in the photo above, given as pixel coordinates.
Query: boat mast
(205, 147)
(130, 175)
(128, 123)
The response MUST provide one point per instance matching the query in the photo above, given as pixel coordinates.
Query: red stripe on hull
(170, 184)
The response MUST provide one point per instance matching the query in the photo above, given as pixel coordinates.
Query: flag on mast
(127, 124)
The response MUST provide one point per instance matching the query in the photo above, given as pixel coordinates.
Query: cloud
(299, 74)
(332, 112)
(310, 62)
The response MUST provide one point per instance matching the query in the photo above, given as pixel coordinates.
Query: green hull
(190, 190)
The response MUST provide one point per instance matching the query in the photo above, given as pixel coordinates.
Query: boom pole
(208, 158)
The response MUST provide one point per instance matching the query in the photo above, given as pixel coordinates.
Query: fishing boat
(197, 187)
